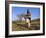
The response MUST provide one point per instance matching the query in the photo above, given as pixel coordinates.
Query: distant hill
(33, 22)
(36, 21)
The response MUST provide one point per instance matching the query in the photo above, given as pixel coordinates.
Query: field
(22, 26)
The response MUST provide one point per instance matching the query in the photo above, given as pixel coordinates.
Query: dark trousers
(30, 20)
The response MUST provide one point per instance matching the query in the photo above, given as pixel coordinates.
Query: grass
(20, 26)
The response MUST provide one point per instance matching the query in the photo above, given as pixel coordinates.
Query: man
(28, 18)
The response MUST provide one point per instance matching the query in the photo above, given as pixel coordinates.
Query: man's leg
(30, 20)
(29, 25)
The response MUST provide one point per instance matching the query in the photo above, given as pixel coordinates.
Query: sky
(23, 10)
